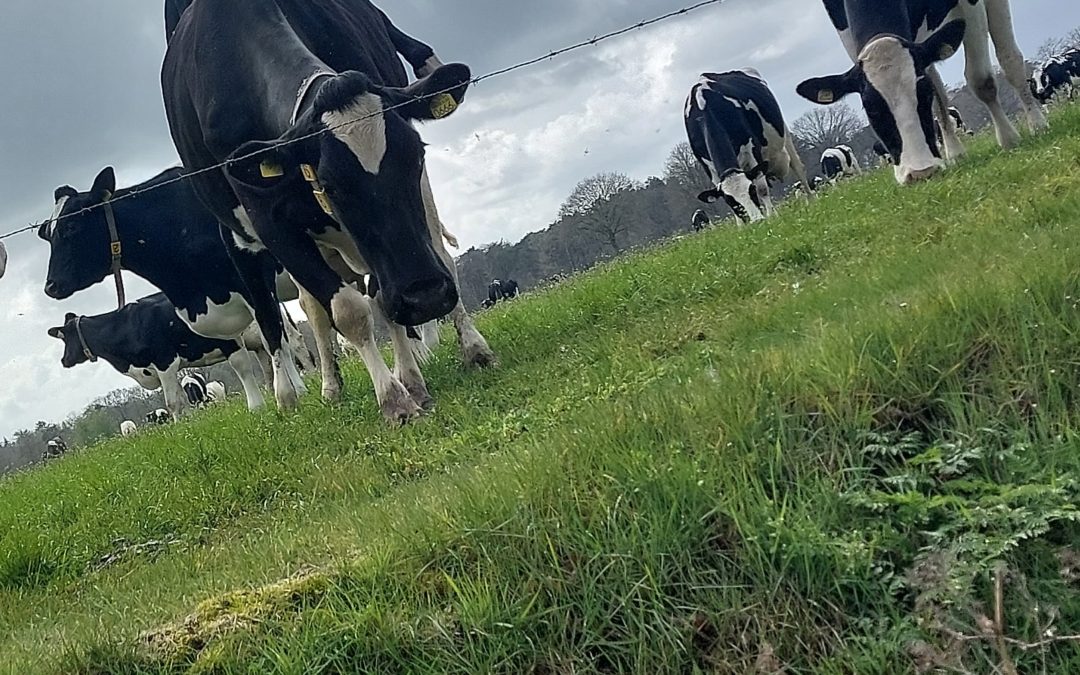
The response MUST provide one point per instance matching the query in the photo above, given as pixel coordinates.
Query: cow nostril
(426, 292)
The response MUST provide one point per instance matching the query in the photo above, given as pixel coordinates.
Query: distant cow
(494, 293)
(128, 428)
(958, 122)
(159, 417)
(700, 220)
(739, 136)
(194, 386)
(839, 162)
(215, 392)
(894, 46)
(1057, 75)
(148, 343)
(54, 449)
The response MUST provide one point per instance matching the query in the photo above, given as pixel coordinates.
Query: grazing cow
(739, 136)
(146, 342)
(510, 289)
(324, 168)
(158, 418)
(194, 385)
(839, 162)
(700, 220)
(54, 449)
(1057, 75)
(494, 293)
(895, 45)
(128, 428)
(958, 122)
(215, 392)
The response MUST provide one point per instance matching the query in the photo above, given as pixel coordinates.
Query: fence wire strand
(187, 175)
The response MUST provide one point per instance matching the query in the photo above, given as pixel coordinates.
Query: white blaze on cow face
(890, 69)
(362, 127)
(56, 215)
(740, 193)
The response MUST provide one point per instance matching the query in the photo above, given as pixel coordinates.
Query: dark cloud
(81, 90)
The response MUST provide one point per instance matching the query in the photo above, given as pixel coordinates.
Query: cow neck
(87, 352)
(871, 19)
(140, 221)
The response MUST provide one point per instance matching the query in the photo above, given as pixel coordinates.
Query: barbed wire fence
(187, 175)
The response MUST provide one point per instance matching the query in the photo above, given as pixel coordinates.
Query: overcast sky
(81, 90)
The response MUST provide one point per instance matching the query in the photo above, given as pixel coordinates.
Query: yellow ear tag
(270, 170)
(309, 173)
(946, 52)
(442, 106)
(826, 96)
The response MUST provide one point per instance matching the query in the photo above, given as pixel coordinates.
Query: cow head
(73, 347)
(740, 194)
(898, 97)
(356, 158)
(79, 243)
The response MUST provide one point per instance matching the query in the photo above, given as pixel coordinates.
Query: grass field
(843, 441)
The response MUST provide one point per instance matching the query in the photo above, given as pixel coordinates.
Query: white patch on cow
(890, 69)
(147, 378)
(128, 428)
(342, 243)
(221, 322)
(248, 226)
(56, 215)
(215, 391)
(737, 186)
(362, 127)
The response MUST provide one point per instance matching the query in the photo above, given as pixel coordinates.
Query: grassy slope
(671, 472)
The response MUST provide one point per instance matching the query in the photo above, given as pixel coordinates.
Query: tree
(1055, 46)
(597, 205)
(828, 126)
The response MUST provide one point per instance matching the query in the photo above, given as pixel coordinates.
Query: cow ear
(57, 333)
(64, 191)
(433, 98)
(939, 46)
(104, 184)
(69, 317)
(259, 164)
(832, 88)
(710, 196)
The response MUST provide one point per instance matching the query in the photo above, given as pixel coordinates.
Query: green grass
(809, 444)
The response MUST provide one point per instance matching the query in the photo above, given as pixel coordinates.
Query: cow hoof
(398, 407)
(331, 394)
(479, 356)
(422, 398)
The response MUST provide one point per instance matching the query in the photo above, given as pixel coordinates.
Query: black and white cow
(54, 449)
(895, 45)
(194, 386)
(158, 418)
(312, 110)
(883, 155)
(700, 220)
(958, 122)
(128, 428)
(165, 235)
(739, 136)
(147, 342)
(839, 162)
(1057, 75)
(494, 293)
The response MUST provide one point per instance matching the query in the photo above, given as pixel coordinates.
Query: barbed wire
(188, 175)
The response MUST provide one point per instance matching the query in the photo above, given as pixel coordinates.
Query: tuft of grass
(844, 440)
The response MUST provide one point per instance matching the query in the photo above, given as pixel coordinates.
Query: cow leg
(954, 149)
(980, 76)
(303, 353)
(406, 366)
(243, 365)
(999, 17)
(175, 397)
(332, 384)
(474, 348)
(350, 313)
(257, 272)
(762, 185)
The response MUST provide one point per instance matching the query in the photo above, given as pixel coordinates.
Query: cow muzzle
(54, 291)
(422, 301)
(907, 176)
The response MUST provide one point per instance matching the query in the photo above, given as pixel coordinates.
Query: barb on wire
(187, 175)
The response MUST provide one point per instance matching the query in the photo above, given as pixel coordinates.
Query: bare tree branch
(828, 126)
